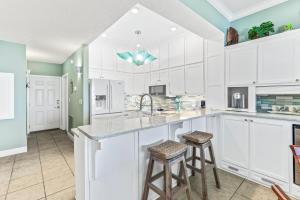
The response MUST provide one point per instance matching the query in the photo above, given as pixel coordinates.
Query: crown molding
(232, 16)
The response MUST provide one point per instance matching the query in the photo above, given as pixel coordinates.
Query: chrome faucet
(141, 102)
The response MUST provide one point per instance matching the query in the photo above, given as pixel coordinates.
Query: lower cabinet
(148, 138)
(257, 148)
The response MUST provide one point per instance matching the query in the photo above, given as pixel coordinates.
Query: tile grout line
(59, 191)
(12, 169)
(62, 155)
(41, 166)
(237, 189)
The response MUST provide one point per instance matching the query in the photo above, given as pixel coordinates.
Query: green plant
(261, 31)
(288, 27)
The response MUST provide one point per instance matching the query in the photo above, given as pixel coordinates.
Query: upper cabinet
(163, 56)
(193, 49)
(176, 52)
(109, 57)
(276, 63)
(194, 79)
(177, 86)
(155, 64)
(241, 65)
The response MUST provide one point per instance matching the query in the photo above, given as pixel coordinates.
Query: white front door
(44, 103)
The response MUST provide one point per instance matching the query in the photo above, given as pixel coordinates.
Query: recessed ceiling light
(135, 10)
(103, 35)
(138, 45)
(173, 29)
(71, 61)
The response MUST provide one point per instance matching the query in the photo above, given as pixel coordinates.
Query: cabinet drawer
(234, 169)
(267, 181)
(295, 190)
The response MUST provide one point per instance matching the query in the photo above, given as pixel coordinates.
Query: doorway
(44, 102)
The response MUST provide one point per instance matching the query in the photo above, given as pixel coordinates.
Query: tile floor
(46, 171)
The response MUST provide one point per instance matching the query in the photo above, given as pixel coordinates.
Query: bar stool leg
(194, 160)
(148, 177)
(213, 160)
(186, 179)
(168, 173)
(203, 173)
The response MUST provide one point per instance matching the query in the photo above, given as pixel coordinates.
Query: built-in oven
(296, 141)
(158, 90)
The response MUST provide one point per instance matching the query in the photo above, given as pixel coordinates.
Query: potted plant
(261, 31)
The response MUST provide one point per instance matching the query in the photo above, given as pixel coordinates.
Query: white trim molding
(231, 16)
(10, 152)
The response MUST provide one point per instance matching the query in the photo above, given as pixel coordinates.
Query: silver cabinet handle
(254, 82)
(233, 168)
(297, 80)
(251, 120)
(245, 120)
(267, 180)
(111, 104)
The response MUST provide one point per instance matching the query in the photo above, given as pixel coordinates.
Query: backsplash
(166, 103)
(284, 104)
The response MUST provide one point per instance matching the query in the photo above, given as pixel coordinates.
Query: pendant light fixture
(138, 57)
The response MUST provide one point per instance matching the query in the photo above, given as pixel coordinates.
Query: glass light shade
(139, 57)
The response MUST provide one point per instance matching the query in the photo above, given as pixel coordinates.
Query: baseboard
(10, 152)
(70, 136)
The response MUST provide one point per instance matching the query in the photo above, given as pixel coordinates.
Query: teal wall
(77, 110)
(13, 60)
(208, 12)
(46, 69)
(288, 12)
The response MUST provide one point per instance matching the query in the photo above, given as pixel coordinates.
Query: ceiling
(154, 29)
(54, 29)
(236, 9)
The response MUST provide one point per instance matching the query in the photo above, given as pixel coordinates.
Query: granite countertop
(105, 127)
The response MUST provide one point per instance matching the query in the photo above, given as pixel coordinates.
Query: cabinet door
(276, 61)
(241, 65)
(177, 81)
(269, 148)
(155, 63)
(139, 83)
(148, 138)
(193, 49)
(234, 141)
(154, 76)
(164, 56)
(95, 55)
(164, 76)
(194, 79)
(129, 82)
(176, 52)
(116, 167)
(109, 57)
(214, 48)
(147, 82)
(215, 71)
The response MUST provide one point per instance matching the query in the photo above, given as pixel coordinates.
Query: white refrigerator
(107, 96)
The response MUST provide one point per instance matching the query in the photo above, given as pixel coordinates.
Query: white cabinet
(164, 56)
(116, 164)
(235, 141)
(155, 64)
(214, 48)
(176, 52)
(139, 83)
(194, 79)
(193, 49)
(109, 57)
(80, 161)
(276, 63)
(148, 138)
(215, 71)
(164, 76)
(241, 65)
(154, 77)
(95, 55)
(177, 86)
(269, 154)
(129, 82)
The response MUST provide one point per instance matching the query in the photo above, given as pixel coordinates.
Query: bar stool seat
(168, 149)
(168, 154)
(201, 140)
(198, 137)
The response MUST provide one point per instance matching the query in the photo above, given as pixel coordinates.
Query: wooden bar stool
(168, 153)
(201, 140)
(279, 193)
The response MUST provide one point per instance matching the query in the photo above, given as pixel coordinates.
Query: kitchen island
(111, 154)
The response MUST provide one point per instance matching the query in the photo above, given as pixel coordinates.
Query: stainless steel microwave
(158, 90)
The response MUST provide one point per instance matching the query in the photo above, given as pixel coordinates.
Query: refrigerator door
(117, 96)
(99, 96)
